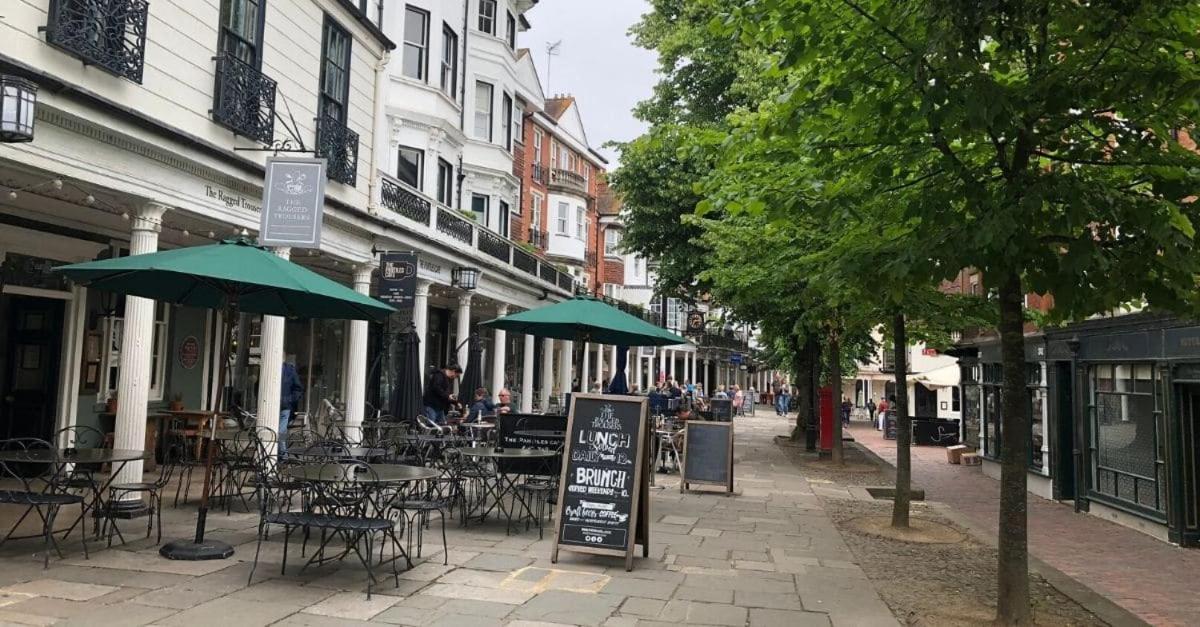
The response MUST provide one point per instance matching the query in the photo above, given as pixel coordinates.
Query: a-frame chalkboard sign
(603, 494)
(707, 455)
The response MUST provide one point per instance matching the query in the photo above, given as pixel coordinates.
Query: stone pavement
(1151, 579)
(765, 556)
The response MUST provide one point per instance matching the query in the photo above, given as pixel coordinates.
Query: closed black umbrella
(406, 392)
(619, 384)
(472, 377)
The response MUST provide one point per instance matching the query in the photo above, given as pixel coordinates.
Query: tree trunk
(903, 497)
(813, 378)
(1013, 568)
(803, 385)
(835, 384)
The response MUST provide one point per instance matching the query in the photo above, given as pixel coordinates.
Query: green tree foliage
(1034, 140)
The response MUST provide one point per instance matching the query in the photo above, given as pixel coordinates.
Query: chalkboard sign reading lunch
(707, 454)
(603, 504)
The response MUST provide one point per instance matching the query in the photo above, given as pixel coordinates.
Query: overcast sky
(596, 63)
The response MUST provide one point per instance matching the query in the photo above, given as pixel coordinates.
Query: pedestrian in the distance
(871, 409)
(290, 390)
(439, 393)
(847, 409)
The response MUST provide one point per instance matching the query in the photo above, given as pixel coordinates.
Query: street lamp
(18, 97)
(465, 277)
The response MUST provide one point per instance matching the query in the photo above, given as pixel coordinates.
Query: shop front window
(1039, 411)
(1127, 457)
(114, 327)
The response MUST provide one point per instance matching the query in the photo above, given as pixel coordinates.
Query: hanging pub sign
(695, 322)
(603, 501)
(398, 278)
(293, 202)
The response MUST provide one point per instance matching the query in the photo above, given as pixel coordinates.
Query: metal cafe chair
(151, 489)
(415, 506)
(41, 487)
(82, 477)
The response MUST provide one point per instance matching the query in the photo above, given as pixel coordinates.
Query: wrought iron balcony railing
(539, 173)
(568, 181)
(420, 209)
(399, 198)
(339, 146)
(109, 34)
(540, 239)
(244, 99)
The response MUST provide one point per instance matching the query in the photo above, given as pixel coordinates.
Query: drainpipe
(375, 181)
(462, 101)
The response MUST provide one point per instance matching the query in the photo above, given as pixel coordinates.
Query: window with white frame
(506, 111)
(445, 182)
(580, 224)
(674, 313)
(505, 218)
(416, 43)
(564, 219)
(612, 241)
(587, 173)
(411, 166)
(449, 61)
(483, 110)
(535, 212)
(537, 145)
(612, 290)
(481, 207)
(114, 327)
(487, 16)
(511, 23)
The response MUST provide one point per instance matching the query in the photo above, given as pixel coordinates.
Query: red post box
(826, 414)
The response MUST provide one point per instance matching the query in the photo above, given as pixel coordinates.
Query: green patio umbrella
(586, 319)
(233, 275)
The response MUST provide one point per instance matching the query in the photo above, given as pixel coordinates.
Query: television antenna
(552, 50)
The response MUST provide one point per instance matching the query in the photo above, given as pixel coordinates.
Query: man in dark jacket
(290, 391)
(439, 392)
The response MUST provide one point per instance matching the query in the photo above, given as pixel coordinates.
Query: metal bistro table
(379, 478)
(356, 452)
(84, 456)
(505, 483)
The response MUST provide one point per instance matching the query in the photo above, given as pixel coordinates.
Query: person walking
(776, 387)
(883, 410)
(783, 399)
(439, 392)
(846, 410)
(290, 391)
(871, 409)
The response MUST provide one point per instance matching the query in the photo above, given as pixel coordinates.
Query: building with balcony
(150, 121)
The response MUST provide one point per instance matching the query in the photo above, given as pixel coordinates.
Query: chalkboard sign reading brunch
(603, 506)
(708, 454)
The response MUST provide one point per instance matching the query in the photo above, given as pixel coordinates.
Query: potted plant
(176, 402)
(111, 405)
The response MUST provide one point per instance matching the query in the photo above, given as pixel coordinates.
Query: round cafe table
(503, 483)
(117, 457)
(356, 452)
(382, 473)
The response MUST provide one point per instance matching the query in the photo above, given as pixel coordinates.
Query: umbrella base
(192, 551)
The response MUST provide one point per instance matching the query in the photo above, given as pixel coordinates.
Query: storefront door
(1185, 523)
(32, 336)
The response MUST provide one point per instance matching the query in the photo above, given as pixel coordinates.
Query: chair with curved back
(83, 476)
(151, 490)
(39, 485)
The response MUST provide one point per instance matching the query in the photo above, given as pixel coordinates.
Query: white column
(547, 372)
(421, 323)
(566, 357)
(463, 329)
(499, 353)
(662, 364)
(527, 376)
(707, 388)
(270, 366)
(586, 376)
(356, 366)
(137, 342)
(612, 365)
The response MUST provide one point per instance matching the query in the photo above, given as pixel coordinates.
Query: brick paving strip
(765, 556)
(1097, 562)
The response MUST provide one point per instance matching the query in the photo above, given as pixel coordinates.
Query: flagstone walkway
(767, 556)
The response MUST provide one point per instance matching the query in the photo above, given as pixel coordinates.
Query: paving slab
(229, 613)
(59, 589)
(573, 608)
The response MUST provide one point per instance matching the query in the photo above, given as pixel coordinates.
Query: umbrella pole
(198, 548)
(584, 339)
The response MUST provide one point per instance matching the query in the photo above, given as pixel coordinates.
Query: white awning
(944, 377)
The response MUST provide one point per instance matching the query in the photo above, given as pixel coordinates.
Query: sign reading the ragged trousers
(398, 278)
(293, 202)
(603, 505)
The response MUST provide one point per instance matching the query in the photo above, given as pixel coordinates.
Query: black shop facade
(1115, 418)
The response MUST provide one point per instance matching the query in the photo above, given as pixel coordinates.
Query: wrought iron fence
(565, 281)
(110, 34)
(454, 226)
(398, 198)
(244, 99)
(339, 145)
(525, 262)
(549, 273)
(494, 245)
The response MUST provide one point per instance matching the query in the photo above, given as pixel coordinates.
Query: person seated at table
(439, 392)
(505, 404)
(721, 393)
(481, 405)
